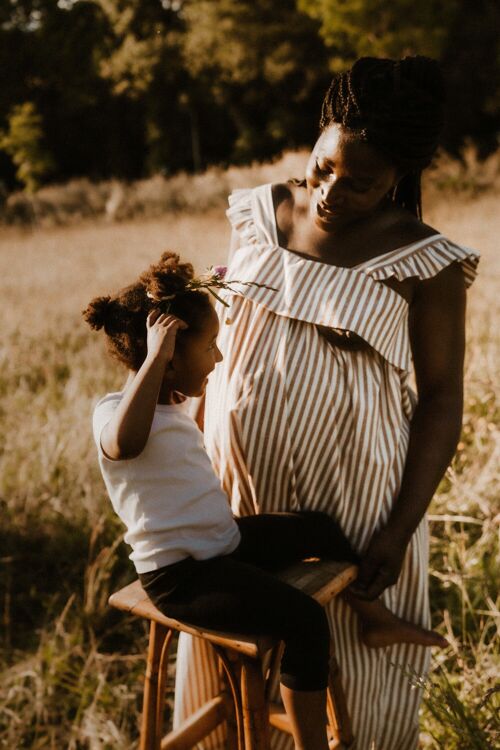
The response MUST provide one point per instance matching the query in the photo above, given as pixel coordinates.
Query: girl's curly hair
(123, 316)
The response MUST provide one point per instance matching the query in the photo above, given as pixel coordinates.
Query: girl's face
(194, 358)
(346, 178)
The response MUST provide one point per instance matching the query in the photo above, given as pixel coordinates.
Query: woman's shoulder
(406, 228)
(288, 200)
(418, 252)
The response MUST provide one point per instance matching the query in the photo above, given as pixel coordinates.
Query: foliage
(130, 89)
(264, 66)
(81, 200)
(379, 29)
(461, 34)
(23, 141)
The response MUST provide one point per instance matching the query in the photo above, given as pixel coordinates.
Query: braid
(395, 106)
(123, 317)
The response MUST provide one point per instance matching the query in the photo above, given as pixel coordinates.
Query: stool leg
(230, 664)
(338, 715)
(254, 705)
(151, 730)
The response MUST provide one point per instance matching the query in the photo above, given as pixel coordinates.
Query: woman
(312, 407)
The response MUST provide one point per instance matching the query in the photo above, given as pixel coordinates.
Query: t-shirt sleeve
(102, 414)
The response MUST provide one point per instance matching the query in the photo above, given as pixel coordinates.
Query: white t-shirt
(169, 496)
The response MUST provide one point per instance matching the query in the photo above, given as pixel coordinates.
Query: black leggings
(238, 592)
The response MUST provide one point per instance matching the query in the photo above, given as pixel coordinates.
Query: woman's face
(346, 178)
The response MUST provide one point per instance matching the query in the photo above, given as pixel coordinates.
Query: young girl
(197, 562)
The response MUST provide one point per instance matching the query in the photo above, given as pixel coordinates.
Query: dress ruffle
(350, 299)
(325, 295)
(423, 261)
(240, 215)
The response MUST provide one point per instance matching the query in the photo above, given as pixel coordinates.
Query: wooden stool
(244, 702)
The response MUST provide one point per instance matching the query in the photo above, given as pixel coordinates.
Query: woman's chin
(327, 224)
(328, 220)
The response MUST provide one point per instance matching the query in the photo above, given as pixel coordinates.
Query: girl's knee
(314, 624)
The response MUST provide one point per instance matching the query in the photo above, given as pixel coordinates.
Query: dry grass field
(71, 669)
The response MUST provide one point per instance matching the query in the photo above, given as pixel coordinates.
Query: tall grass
(80, 200)
(115, 201)
(71, 669)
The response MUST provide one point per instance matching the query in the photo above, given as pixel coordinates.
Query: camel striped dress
(293, 423)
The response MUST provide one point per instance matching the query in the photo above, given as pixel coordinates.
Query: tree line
(128, 88)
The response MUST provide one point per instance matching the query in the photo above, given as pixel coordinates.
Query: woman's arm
(127, 432)
(437, 335)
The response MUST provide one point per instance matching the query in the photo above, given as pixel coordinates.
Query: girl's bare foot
(389, 630)
(381, 628)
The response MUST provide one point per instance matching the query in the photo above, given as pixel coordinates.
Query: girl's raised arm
(128, 430)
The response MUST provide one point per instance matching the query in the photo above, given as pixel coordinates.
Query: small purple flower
(220, 271)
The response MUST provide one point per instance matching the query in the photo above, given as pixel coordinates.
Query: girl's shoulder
(108, 402)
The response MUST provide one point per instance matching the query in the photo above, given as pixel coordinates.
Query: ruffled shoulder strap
(251, 214)
(312, 292)
(423, 260)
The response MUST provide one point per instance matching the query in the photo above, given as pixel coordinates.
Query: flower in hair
(213, 278)
(220, 271)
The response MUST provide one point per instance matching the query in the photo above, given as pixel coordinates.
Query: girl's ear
(170, 370)
(174, 366)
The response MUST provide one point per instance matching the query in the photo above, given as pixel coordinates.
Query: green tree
(263, 63)
(24, 142)
(141, 60)
(375, 27)
(462, 34)
(471, 62)
(135, 45)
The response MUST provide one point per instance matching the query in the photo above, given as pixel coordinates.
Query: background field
(72, 669)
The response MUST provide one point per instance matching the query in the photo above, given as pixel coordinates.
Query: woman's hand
(161, 334)
(380, 566)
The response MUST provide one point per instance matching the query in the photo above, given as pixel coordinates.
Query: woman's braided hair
(396, 106)
(123, 316)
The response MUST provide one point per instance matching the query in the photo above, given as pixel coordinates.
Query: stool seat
(248, 704)
(133, 599)
(321, 579)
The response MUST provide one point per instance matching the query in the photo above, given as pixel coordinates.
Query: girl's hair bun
(167, 277)
(98, 312)
(124, 315)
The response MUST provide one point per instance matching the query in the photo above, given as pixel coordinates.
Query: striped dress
(294, 423)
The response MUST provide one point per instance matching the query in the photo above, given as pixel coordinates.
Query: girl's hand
(161, 333)
(380, 566)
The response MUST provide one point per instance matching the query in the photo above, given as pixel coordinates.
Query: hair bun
(98, 311)
(167, 277)
(425, 74)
